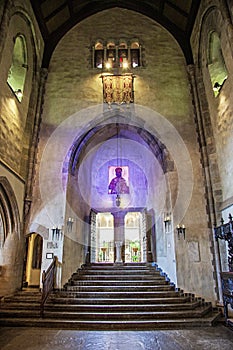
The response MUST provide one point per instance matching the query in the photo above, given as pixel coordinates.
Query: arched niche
(8, 210)
(11, 240)
(102, 147)
(34, 259)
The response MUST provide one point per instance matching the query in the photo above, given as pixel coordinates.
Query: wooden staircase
(111, 297)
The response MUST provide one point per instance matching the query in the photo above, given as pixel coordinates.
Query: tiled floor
(211, 338)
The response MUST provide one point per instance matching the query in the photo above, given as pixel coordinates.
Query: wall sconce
(180, 231)
(56, 233)
(70, 222)
(167, 220)
(108, 65)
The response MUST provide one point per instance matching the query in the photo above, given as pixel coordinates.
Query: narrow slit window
(135, 55)
(18, 69)
(216, 64)
(111, 55)
(99, 56)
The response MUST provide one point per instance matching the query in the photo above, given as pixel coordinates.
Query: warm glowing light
(125, 65)
(108, 65)
(19, 94)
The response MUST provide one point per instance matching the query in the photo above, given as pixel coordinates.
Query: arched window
(216, 64)
(99, 55)
(18, 69)
(110, 221)
(111, 55)
(117, 54)
(135, 54)
(37, 252)
(103, 221)
(123, 55)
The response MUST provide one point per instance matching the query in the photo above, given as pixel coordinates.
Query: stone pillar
(213, 193)
(119, 236)
(118, 258)
(40, 84)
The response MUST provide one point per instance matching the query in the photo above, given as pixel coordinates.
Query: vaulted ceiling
(56, 17)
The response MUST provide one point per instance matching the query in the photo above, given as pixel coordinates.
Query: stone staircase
(111, 297)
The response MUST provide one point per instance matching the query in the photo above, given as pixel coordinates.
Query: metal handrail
(48, 281)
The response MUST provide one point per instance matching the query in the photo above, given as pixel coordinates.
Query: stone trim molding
(12, 171)
(227, 203)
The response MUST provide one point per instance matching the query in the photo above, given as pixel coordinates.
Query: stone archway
(34, 260)
(11, 250)
(73, 194)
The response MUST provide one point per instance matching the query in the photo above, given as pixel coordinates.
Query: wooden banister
(48, 281)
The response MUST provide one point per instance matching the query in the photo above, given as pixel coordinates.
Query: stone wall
(73, 104)
(16, 127)
(214, 117)
(215, 17)
(14, 115)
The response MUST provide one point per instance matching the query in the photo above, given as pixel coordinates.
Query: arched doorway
(11, 240)
(92, 157)
(133, 237)
(135, 229)
(34, 260)
(105, 237)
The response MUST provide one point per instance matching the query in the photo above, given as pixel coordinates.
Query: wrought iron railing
(48, 281)
(225, 231)
(227, 291)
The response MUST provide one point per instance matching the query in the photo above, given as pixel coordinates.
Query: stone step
(35, 295)
(119, 301)
(133, 315)
(109, 314)
(152, 324)
(119, 288)
(111, 282)
(120, 277)
(20, 313)
(124, 270)
(117, 294)
(29, 294)
(117, 272)
(119, 308)
(22, 299)
(20, 305)
(129, 266)
(101, 296)
(89, 307)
